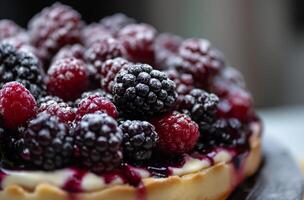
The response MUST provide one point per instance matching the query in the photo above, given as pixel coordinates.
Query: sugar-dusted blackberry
(67, 78)
(225, 133)
(55, 27)
(95, 103)
(103, 50)
(22, 67)
(142, 91)
(98, 142)
(93, 33)
(75, 51)
(116, 22)
(199, 58)
(139, 139)
(17, 105)
(48, 143)
(166, 49)
(200, 106)
(184, 81)
(109, 69)
(138, 41)
(57, 107)
(8, 29)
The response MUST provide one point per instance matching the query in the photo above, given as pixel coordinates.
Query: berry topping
(142, 91)
(8, 29)
(17, 104)
(109, 70)
(102, 50)
(177, 133)
(48, 143)
(94, 33)
(21, 67)
(98, 141)
(200, 106)
(200, 59)
(116, 22)
(55, 27)
(95, 103)
(166, 49)
(138, 41)
(70, 51)
(67, 78)
(139, 139)
(55, 106)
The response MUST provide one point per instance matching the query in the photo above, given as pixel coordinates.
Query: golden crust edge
(213, 183)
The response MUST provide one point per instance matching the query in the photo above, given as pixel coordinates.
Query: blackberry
(21, 67)
(116, 22)
(109, 70)
(199, 58)
(200, 106)
(184, 81)
(139, 139)
(55, 27)
(142, 91)
(98, 141)
(225, 133)
(48, 143)
(8, 29)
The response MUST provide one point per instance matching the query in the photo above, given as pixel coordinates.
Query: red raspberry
(199, 58)
(8, 29)
(56, 107)
(67, 78)
(103, 50)
(55, 27)
(138, 41)
(75, 51)
(95, 103)
(166, 49)
(17, 104)
(109, 70)
(93, 33)
(116, 22)
(238, 104)
(177, 133)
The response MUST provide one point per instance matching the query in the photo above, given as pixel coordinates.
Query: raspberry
(109, 70)
(98, 141)
(97, 92)
(48, 143)
(178, 134)
(55, 27)
(200, 106)
(93, 33)
(184, 82)
(21, 67)
(70, 51)
(139, 139)
(67, 78)
(55, 106)
(95, 103)
(116, 22)
(142, 91)
(166, 49)
(200, 59)
(224, 133)
(102, 50)
(238, 104)
(8, 29)
(138, 41)
(17, 105)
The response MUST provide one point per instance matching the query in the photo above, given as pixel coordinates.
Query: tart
(116, 110)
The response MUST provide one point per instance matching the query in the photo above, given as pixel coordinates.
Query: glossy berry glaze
(160, 166)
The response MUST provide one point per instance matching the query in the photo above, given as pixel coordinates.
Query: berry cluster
(99, 95)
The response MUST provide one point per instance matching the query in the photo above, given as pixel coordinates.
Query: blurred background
(263, 39)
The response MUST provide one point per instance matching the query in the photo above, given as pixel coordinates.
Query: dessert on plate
(115, 110)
